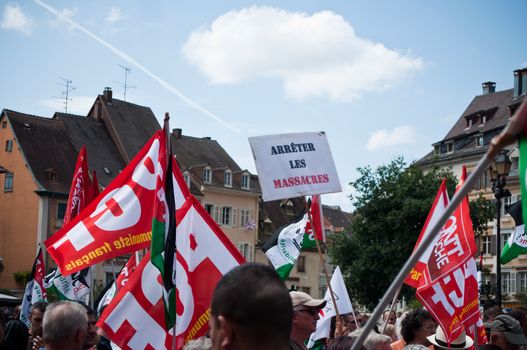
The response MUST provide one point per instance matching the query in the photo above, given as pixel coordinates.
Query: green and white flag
(75, 287)
(517, 242)
(284, 247)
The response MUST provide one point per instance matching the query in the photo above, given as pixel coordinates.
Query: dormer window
(479, 141)
(207, 175)
(227, 178)
(469, 123)
(450, 147)
(246, 181)
(437, 150)
(483, 120)
(186, 178)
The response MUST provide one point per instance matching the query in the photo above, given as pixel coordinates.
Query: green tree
(392, 203)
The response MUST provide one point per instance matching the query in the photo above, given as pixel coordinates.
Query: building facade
(464, 145)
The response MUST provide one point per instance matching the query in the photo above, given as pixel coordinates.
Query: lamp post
(499, 169)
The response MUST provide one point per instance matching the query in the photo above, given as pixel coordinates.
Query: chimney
(488, 87)
(177, 133)
(107, 93)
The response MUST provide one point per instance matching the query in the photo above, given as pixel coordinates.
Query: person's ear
(228, 331)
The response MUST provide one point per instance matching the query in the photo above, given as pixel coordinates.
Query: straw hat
(439, 339)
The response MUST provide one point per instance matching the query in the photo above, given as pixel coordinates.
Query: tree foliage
(392, 203)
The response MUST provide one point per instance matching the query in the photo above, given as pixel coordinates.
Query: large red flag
(119, 221)
(451, 290)
(135, 318)
(80, 187)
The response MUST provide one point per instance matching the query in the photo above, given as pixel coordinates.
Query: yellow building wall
(18, 213)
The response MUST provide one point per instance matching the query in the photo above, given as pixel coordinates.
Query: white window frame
(247, 250)
(207, 175)
(479, 141)
(522, 282)
(245, 215)
(226, 215)
(507, 282)
(186, 178)
(450, 147)
(485, 245)
(246, 181)
(227, 178)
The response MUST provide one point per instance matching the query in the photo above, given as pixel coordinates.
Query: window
(246, 181)
(483, 120)
(469, 123)
(437, 149)
(301, 264)
(4, 124)
(61, 213)
(522, 282)
(247, 250)
(8, 182)
(227, 178)
(450, 147)
(244, 217)
(210, 209)
(507, 284)
(9, 146)
(226, 216)
(207, 175)
(485, 245)
(479, 141)
(186, 178)
(504, 238)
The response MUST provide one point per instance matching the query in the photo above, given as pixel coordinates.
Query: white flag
(343, 304)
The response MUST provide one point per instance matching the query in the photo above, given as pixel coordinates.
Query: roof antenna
(125, 85)
(65, 94)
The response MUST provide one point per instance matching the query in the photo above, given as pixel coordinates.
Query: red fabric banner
(80, 189)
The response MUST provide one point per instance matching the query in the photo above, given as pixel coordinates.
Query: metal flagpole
(391, 308)
(458, 197)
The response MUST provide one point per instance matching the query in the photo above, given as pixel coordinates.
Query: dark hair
(254, 298)
(519, 314)
(39, 305)
(89, 310)
(16, 335)
(488, 347)
(412, 322)
(341, 343)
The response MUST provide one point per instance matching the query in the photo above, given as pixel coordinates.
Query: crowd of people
(253, 309)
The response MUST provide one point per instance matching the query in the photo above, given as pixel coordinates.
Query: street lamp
(499, 169)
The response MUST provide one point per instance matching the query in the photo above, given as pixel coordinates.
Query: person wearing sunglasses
(305, 316)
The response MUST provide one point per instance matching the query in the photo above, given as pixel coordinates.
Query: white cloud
(387, 138)
(15, 19)
(114, 15)
(315, 55)
(78, 105)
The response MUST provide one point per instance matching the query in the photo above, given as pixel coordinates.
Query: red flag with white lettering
(135, 318)
(452, 293)
(80, 188)
(417, 275)
(119, 221)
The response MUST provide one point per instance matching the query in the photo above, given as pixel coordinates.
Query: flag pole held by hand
(517, 124)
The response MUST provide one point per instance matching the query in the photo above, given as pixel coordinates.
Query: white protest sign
(292, 165)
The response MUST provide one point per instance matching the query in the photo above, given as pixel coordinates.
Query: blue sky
(382, 78)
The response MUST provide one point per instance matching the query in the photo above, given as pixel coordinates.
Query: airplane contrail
(132, 61)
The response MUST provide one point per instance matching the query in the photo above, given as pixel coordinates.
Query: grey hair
(62, 319)
(202, 343)
(372, 339)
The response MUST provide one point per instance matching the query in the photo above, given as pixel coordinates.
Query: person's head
(390, 315)
(16, 335)
(389, 330)
(91, 336)
(251, 308)
(491, 312)
(416, 326)
(520, 314)
(202, 343)
(374, 341)
(341, 343)
(65, 325)
(506, 332)
(439, 340)
(305, 315)
(36, 315)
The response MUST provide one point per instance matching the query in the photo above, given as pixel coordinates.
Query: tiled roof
(103, 156)
(337, 217)
(47, 149)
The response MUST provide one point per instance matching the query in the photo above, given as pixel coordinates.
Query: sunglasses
(312, 312)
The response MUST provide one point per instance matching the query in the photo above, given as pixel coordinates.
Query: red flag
(451, 294)
(135, 318)
(79, 190)
(317, 218)
(417, 276)
(94, 187)
(119, 221)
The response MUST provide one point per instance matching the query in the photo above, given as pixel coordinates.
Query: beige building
(465, 144)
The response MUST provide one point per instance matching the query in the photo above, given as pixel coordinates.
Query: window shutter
(217, 214)
(251, 252)
(234, 217)
(493, 245)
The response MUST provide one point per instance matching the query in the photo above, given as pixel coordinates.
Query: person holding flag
(305, 316)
